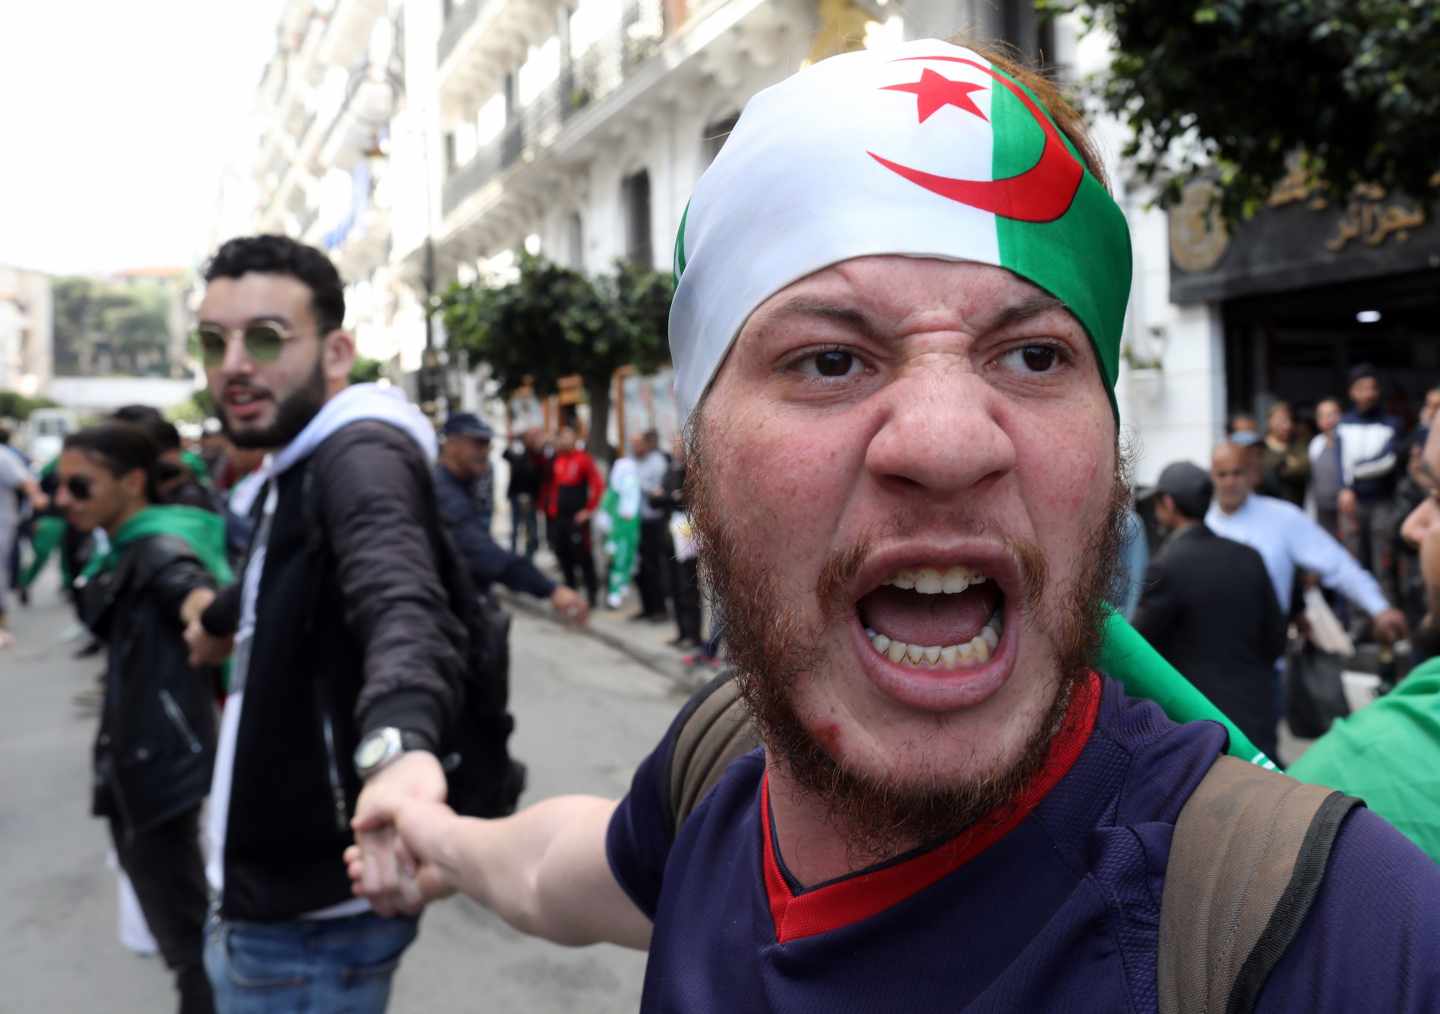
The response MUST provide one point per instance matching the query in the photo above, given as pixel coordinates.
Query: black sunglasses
(79, 487)
(263, 343)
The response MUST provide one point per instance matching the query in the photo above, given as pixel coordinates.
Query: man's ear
(339, 356)
(134, 484)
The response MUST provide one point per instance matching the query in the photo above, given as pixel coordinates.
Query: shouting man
(896, 333)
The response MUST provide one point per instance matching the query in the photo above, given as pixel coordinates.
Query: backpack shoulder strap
(1246, 862)
(714, 729)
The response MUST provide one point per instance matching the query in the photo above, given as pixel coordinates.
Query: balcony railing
(462, 16)
(583, 81)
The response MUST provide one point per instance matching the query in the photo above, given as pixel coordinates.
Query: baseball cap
(1188, 484)
(467, 424)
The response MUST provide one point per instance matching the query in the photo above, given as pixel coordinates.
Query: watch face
(371, 752)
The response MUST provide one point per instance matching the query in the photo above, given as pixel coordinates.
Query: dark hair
(121, 447)
(156, 426)
(4, 434)
(280, 255)
(1363, 370)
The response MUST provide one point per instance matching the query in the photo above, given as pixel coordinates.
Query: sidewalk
(641, 640)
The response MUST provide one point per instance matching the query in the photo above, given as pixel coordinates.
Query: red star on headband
(934, 91)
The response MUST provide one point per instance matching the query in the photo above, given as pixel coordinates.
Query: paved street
(586, 715)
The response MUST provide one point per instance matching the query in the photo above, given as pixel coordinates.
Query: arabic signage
(1298, 241)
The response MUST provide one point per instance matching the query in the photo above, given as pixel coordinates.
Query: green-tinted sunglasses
(263, 343)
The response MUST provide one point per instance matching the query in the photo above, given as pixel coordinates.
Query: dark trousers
(168, 873)
(523, 517)
(570, 542)
(654, 539)
(685, 584)
(1372, 543)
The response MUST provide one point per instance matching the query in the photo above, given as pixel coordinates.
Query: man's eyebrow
(1026, 309)
(810, 306)
(264, 318)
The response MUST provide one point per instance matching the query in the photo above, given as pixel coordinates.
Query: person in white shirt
(1287, 538)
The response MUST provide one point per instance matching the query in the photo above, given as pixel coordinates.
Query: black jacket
(525, 473)
(486, 560)
(353, 632)
(1208, 606)
(156, 743)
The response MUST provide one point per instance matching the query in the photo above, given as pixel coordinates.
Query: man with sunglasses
(344, 642)
(156, 739)
(175, 477)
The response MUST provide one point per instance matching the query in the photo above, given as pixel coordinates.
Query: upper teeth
(931, 581)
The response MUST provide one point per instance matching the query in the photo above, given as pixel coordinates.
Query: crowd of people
(1319, 511)
(941, 773)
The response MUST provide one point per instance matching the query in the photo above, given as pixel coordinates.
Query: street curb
(662, 663)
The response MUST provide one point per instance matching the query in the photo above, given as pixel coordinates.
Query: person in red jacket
(572, 495)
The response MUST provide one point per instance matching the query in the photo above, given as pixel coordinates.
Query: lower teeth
(974, 652)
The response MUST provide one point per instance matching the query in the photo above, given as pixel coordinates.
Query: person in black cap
(1369, 456)
(464, 460)
(1208, 606)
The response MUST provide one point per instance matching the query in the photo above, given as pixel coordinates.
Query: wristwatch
(381, 747)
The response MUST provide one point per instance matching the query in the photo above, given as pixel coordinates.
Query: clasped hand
(389, 864)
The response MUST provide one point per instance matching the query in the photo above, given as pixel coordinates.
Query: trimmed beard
(292, 414)
(771, 646)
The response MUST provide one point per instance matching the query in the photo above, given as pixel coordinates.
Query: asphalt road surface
(586, 716)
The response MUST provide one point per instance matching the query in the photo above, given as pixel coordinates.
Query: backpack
(481, 778)
(1247, 860)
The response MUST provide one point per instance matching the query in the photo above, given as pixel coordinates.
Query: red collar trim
(845, 902)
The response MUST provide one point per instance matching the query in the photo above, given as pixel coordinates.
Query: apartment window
(635, 198)
(575, 240)
(713, 136)
(1030, 32)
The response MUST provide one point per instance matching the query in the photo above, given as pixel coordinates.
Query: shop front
(1306, 290)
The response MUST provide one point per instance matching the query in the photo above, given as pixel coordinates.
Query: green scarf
(1129, 658)
(197, 466)
(202, 530)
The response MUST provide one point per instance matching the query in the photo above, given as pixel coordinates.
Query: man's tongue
(928, 620)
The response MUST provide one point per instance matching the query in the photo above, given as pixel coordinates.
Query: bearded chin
(292, 415)
(773, 648)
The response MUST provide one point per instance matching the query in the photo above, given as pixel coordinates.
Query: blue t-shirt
(1053, 906)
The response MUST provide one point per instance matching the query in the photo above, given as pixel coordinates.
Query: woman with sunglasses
(156, 742)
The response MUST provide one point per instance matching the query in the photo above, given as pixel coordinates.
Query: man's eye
(1033, 358)
(832, 363)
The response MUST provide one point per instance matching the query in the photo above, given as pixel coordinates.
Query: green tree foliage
(366, 370)
(112, 327)
(1242, 85)
(14, 405)
(553, 322)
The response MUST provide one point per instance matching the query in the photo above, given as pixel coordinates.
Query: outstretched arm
(544, 870)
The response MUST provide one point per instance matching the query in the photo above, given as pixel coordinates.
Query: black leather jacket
(156, 743)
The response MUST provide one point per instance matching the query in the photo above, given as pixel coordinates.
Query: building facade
(26, 332)
(427, 141)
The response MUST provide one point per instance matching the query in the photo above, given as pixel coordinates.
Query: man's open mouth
(934, 618)
(244, 402)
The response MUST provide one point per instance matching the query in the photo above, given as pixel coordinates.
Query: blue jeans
(315, 966)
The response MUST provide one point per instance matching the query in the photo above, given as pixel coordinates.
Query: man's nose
(237, 358)
(943, 431)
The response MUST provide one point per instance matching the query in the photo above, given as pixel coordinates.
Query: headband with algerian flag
(924, 150)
